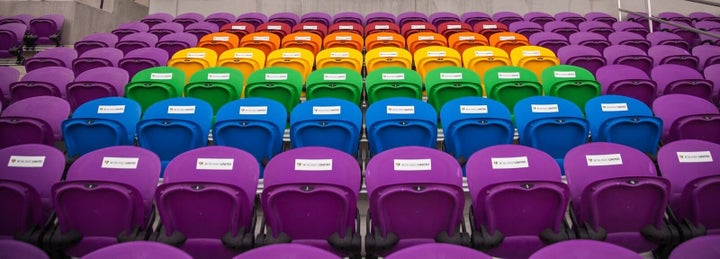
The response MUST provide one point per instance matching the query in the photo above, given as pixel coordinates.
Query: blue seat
(101, 123)
(623, 120)
(400, 121)
(326, 122)
(473, 123)
(173, 126)
(253, 124)
(551, 124)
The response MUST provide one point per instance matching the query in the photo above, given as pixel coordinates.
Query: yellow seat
(429, 58)
(340, 57)
(304, 40)
(464, 40)
(344, 39)
(482, 58)
(219, 41)
(420, 40)
(384, 39)
(387, 57)
(300, 60)
(534, 58)
(265, 41)
(245, 60)
(191, 60)
(507, 41)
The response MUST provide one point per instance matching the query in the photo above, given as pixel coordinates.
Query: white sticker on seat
(530, 53)
(274, 27)
(120, 162)
(184, 109)
(394, 109)
(382, 27)
(313, 164)
(243, 55)
(282, 76)
(339, 54)
(508, 75)
(544, 108)
(564, 74)
(604, 160)
(221, 38)
(261, 38)
(302, 38)
(504, 38)
(195, 55)
(393, 76)
(388, 54)
(26, 161)
(424, 164)
(466, 38)
(343, 37)
(111, 109)
(436, 53)
(214, 163)
(310, 27)
(253, 110)
(346, 27)
(454, 26)
(334, 77)
(484, 53)
(694, 157)
(326, 110)
(614, 107)
(510, 162)
(161, 76)
(237, 27)
(417, 26)
(291, 55)
(473, 109)
(218, 76)
(489, 26)
(385, 38)
(426, 37)
(451, 76)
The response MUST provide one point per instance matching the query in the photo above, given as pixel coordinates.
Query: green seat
(334, 82)
(572, 83)
(509, 84)
(216, 85)
(444, 84)
(393, 82)
(155, 84)
(281, 84)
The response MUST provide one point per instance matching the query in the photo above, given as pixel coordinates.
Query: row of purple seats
(11, 40)
(199, 29)
(171, 42)
(42, 30)
(133, 60)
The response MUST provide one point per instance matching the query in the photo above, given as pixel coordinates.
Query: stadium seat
(18, 249)
(507, 17)
(347, 26)
(525, 28)
(623, 120)
(138, 249)
(191, 60)
(665, 54)
(219, 41)
(561, 27)
(387, 57)
(347, 17)
(571, 83)
(700, 247)
(536, 59)
(390, 82)
(591, 39)
(316, 28)
(411, 16)
(188, 18)
(200, 29)
(340, 57)
(687, 117)
(165, 28)
(429, 58)
(483, 58)
(344, 39)
(412, 27)
(667, 38)
(488, 28)
(630, 26)
(240, 29)
(265, 41)
(671, 78)
(601, 17)
(461, 41)
(598, 27)
(174, 42)
(444, 84)
(420, 40)
(33, 120)
(326, 122)
(280, 29)
(473, 17)
(8, 75)
(287, 250)
(216, 86)
(627, 81)
(318, 17)
(128, 28)
(581, 56)
(549, 40)
(447, 29)
(707, 55)
(379, 16)
(628, 55)
(95, 58)
(51, 81)
(155, 18)
(304, 40)
(135, 41)
(540, 18)
(254, 18)
(589, 249)
(155, 84)
(144, 58)
(509, 85)
(280, 84)
(55, 57)
(220, 18)
(438, 250)
(96, 83)
(245, 60)
(291, 19)
(381, 26)
(400, 121)
(335, 82)
(630, 39)
(384, 39)
(300, 60)
(570, 17)
(95, 40)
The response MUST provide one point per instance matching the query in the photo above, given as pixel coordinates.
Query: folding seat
(390, 82)
(135, 41)
(326, 122)
(675, 17)
(570, 17)
(438, 250)
(254, 18)
(191, 60)
(525, 28)
(45, 30)
(629, 26)
(438, 18)
(278, 28)
(162, 29)
(220, 18)
(509, 84)
(507, 41)
(581, 56)
(174, 42)
(708, 25)
(627, 81)
(21, 123)
(691, 167)
(101, 123)
(154, 84)
(172, 126)
(8, 75)
(705, 39)
(667, 38)
(265, 41)
(95, 40)
(347, 17)
(188, 18)
(507, 18)
(55, 57)
(18, 249)
(384, 39)
(712, 73)
(536, 59)
(689, 36)
(444, 84)
(128, 28)
(215, 185)
(382, 26)
(628, 55)
(340, 57)
(95, 58)
(155, 18)
(699, 247)
(472, 123)
(707, 55)
(291, 19)
(400, 121)
(406, 17)
(351, 27)
(590, 39)
(549, 40)
(687, 117)
(50, 81)
(379, 17)
(601, 17)
(387, 57)
(590, 249)
(447, 29)
(697, 17)
(143, 58)
(312, 27)
(475, 17)
(429, 58)
(238, 28)
(137, 249)
(335, 82)
(623, 120)
(666, 54)
(561, 27)
(304, 40)
(123, 181)
(216, 86)
(344, 39)
(671, 78)
(300, 60)
(601, 28)
(538, 17)
(11, 36)
(318, 17)
(26, 174)
(245, 60)
(489, 28)
(219, 42)
(287, 250)
(462, 41)
(19, 18)
(630, 39)
(200, 29)
(96, 83)
(280, 84)
(571, 83)
(423, 180)
(617, 197)
(413, 27)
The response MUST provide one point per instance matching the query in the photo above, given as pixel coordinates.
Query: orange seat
(384, 39)
(219, 41)
(304, 40)
(420, 40)
(464, 40)
(344, 40)
(265, 41)
(507, 41)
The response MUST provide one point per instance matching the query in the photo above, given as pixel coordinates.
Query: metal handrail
(705, 2)
(679, 25)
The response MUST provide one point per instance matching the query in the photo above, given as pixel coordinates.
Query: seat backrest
(326, 122)
(411, 16)
(281, 84)
(393, 82)
(61, 57)
(50, 109)
(139, 249)
(707, 55)
(482, 58)
(420, 40)
(379, 16)
(550, 40)
(666, 54)
(347, 26)
(347, 17)
(188, 18)
(46, 81)
(429, 58)
(384, 39)
(335, 82)
(275, 27)
(630, 39)
(582, 56)
(412, 27)
(304, 40)
(285, 250)
(245, 60)
(219, 41)
(96, 83)
(135, 41)
(438, 250)
(175, 42)
(155, 18)
(591, 39)
(128, 28)
(535, 58)
(627, 81)
(686, 116)
(474, 17)
(628, 55)
(630, 26)
(538, 17)
(400, 121)
(672, 78)
(220, 18)
(578, 248)
(97, 57)
(344, 39)
(165, 28)
(318, 17)
(452, 27)
(143, 58)
(19, 249)
(570, 17)
(298, 59)
(191, 60)
(154, 84)
(95, 40)
(200, 29)
(462, 41)
(8, 75)
(667, 38)
(570, 82)
(254, 18)
(507, 41)
(238, 28)
(340, 57)
(387, 57)
(623, 120)
(291, 19)
(444, 84)
(561, 27)
(314, 27)
(509, 84)
(216, 86)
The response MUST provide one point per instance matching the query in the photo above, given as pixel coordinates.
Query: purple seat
(289, 18)
(19, 18)
(138, 249)
(99, 57)
(438, 18)
(627, 81)
(175, 42)
(126, 29)
(633, 27)
(55, 57)
(220, 18)
(688, 36)
(707, 55)
(581, 56)
(438, 251)
(666, 54)
(708, 25)
(601, 28)
(155, 18)
(667, 38)
(42, 81)
(549, 40)
(215, 185)
(19, 249)
(527, 178)
(26, 174)
(96, 40)
(406, 17)
(353, 17)
(423, 181)
(327, 183)
(8, 75)
(475, 17)
(571, 17)
(11, 40)
(687, 117)
(617, 196)
(318, 17)
(136, 41)
(507, 17)
(630, 39)
(46, 30)
(525, 28)
(704, 247)
(540, 18)
(287, 251)
(143, 58)
(379, 17)
(560, 27)
(678, 79)
(705, 39)
(200, 29)
(589, 39)
(188, 18)
(712, 73)
(586, 249)
(119, 184)
(24, 124)
(643, 21)
(628, 55)
(96, 83)
(165, 28)
(675, 17)
(600, 17)
(697, 17)
(253, 18)
(693, 170)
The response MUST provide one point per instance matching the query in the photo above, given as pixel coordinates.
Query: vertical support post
(619, 12)
(648, 6)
